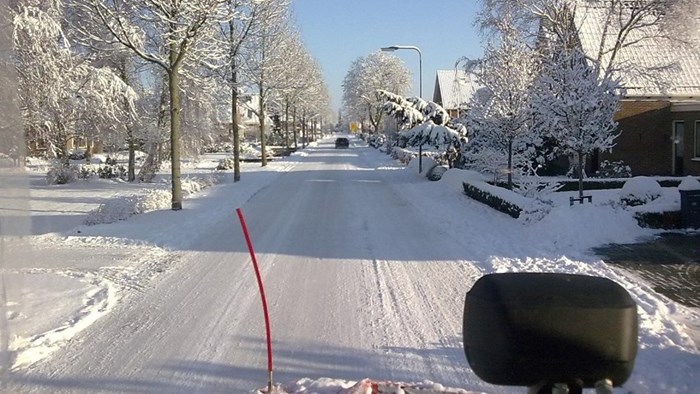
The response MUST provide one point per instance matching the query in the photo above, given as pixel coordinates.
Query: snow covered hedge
(495, 202)
(507, 201)
(492, 196)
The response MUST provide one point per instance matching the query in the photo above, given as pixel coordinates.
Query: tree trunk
(286, 124)
(580, 176)
(294, 128)
(234, 125)
(262, 126)
(129, 130)
(234, 105)
(510, 165)
(132, 155)
(303, 129)
(173, 84)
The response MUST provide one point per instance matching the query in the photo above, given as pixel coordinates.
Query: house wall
(645, 137)
(645, 142)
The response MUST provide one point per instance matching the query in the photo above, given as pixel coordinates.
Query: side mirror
(544, 329)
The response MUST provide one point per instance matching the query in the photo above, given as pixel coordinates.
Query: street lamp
(420, 62)
(420, 87)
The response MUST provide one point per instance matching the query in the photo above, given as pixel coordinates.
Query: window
(697, 138)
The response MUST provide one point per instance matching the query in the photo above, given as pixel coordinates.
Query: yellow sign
(354, 126)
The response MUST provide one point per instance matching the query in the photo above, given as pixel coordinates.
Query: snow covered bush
(60, 174)
(225, 164)
(6, 161)
(640, 190)
(532, 186)
(436, 173)
(402, 155)
(123, 207)
(218, 147)
(113, 171)
(194, 185)
(87, 171)
(376, 140)
(614, 169)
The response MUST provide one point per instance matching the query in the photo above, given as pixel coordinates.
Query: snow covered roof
(676, 71)
(454, 88)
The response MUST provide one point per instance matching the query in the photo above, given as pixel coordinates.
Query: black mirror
(543, 329)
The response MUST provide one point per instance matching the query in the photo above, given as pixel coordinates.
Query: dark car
(342, 142)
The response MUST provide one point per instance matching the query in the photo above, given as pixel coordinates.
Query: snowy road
(356, 288)
(365, 265)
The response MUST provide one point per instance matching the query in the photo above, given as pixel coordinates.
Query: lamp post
(420, 87)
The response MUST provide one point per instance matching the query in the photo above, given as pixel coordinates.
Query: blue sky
(336, 32)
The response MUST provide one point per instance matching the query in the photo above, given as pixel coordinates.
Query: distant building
(454, 89)
(248, 120)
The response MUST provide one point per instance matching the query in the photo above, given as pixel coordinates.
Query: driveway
(670, 262)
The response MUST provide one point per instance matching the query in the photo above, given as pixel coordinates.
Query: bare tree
(265, 60)
(167, 33)
(248, 16)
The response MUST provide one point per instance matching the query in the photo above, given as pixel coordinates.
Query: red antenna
(262, 296)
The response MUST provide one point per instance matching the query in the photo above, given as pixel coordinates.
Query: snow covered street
(366, 265)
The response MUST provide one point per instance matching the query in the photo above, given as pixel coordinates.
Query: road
(356, 287)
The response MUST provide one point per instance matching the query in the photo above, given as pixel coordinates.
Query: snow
(147, 304)
(689, 183)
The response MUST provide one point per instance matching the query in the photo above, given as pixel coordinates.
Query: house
(454, 89)
(659, 116)
(248, 120)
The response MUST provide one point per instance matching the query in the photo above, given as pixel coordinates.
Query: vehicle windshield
(177, 214)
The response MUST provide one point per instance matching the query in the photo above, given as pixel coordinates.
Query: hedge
(669, 220)
(601, 184)
(494, 202)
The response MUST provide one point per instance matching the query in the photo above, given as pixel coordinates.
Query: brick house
(658, 136)
(659, 116)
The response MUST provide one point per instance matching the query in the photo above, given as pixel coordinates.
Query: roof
(454, 88)
(675, 71)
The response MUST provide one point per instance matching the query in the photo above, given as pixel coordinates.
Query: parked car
(342, 142)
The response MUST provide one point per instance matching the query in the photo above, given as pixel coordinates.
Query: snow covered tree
(11, 140)
(62, 95)
(299, 84)
(442, 137)
(401, 109)
(424, 122)
(575, 107)
(618, 26)
(169, 34)
(500, 117)
(265, 60)
(367, 75)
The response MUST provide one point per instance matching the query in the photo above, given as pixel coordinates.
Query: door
(678, 147)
